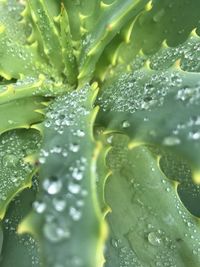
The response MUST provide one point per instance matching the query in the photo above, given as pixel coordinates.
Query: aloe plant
(99, 133)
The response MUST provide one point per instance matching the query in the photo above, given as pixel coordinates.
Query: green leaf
(177, 169)
(110, 20)
(10, 17)
(94, 24)
(53, 7)
(49, 34)
(82, 16)
(21, 113)
(143, 104)
(149, 226)
(18, 250)
(16, 168)
(162, 21)
(71, 69)
(41, 86)
(70, 224)
(25, 57)
(13, 44)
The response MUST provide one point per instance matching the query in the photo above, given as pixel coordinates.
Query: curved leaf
(149, 225)
(70, 224)
(143, 104)
(21, 113)
(16, 172)
(111, 19)
(163, 21)
(18, 250)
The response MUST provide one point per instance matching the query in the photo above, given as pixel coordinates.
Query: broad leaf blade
(16, 172)
(21, 113)
(149, 225)
(71, 223)
(143, 103)
(18, 250)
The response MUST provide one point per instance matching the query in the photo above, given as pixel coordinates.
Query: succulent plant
(99, 133)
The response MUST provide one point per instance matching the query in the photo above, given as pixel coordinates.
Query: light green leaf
(143, 104)
(18, 250)
(111, 19)
(16, 169)
(177, 169)
(49, 34)
(70, 224)
(21, 113)
(149, 226)
(163, 21)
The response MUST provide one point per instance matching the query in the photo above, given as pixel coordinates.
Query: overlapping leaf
(157, 106)
(16, 172)
(97, 22)
(18, 250)
(67, 219)
(149, 226)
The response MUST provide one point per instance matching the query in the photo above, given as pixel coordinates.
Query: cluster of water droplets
(140, 90)
(14, 147)
(65, 170)
(23, 57)
(188, 128)
(127, 257)
(188, 53)
(10, 14)
(24, 243)
(164, 226)
(14, 37)
(189, 95)
(38, 85)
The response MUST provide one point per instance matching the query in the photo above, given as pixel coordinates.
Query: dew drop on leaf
(52, 185)
(125, 124)
(54, 232)
(74, 188)
(10, 160)
(59, 204)
(74, 147)
(75, 214)
(39, 206)
(154, 239)
(171, 141)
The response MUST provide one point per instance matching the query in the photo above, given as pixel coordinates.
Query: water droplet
(171, 141)
(80, 133)
(194, 135)
(154, 239)
(74, 188)
(109, 139)
(75, 214)
(10, 160)
(56, 149)
(114, 242)
(39, 206)
(52, 185)
(42, 160)
(77, 175)
(54, 232)
(125, 124)
(59, 204)
(74, 147)
(47, 123)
